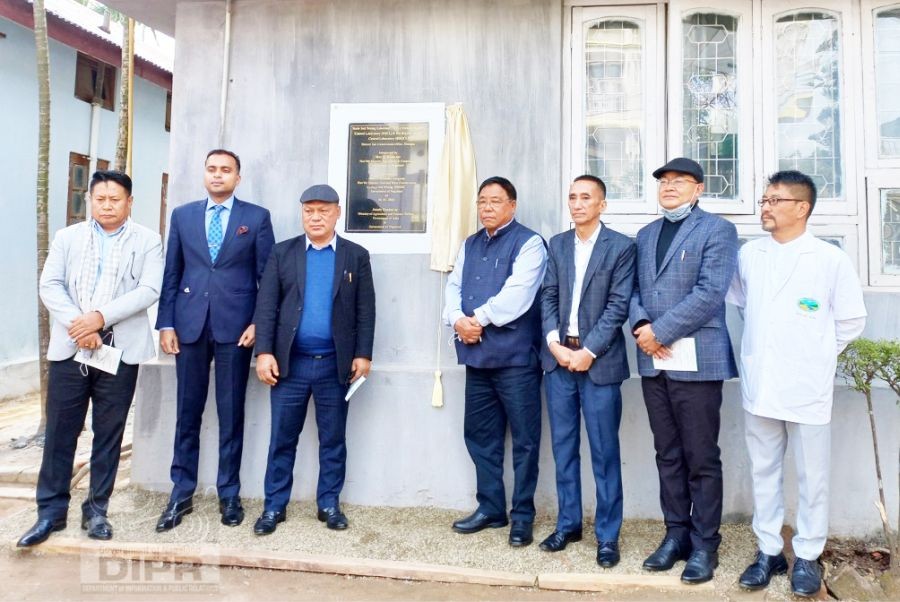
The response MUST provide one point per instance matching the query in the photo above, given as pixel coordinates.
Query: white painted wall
(70, 125)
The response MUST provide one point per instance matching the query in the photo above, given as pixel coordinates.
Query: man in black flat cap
(686, 260)
(315, 325)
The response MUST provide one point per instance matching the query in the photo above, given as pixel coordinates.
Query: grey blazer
(605, 294)
(140, 279)
(685, 297)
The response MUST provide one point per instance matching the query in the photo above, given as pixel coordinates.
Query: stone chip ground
(403, 534)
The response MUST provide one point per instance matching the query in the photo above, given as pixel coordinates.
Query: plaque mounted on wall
(387, 177)
(384, 159)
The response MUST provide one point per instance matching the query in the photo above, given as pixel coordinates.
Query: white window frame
(743, 10)
(651, 16)
(867, 19)
(851, 85)
(875, 182)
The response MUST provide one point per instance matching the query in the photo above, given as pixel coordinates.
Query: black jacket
(280, 303)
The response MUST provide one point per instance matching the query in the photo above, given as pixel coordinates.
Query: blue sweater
(314, 336)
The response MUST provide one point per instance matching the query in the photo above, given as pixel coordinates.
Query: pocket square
(242, 230)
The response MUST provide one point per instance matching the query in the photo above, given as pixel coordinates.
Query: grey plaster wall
(289, 62)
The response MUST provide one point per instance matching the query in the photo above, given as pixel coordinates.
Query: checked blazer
(685, 296)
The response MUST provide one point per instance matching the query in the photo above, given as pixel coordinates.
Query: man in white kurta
(802, 304)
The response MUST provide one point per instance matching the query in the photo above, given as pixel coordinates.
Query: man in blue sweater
(315, 325)
(493, 305)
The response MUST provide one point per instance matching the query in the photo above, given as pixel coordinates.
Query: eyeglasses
(772, 201)
(677, 182)
(492, 203)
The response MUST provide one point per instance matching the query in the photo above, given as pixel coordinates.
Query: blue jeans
(569, 395)
(496, 397)
(316, 376)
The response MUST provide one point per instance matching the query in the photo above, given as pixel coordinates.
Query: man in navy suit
(584, 302)
(315, 322)
(216, 253)
(686, 260)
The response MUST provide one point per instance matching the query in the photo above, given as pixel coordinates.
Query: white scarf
(94, 293)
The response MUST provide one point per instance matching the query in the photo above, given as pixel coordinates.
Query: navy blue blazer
(685, 297)
(280, 303)
(193, 286)
(605, 294)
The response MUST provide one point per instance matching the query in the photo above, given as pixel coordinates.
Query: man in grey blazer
(686, 260)
(100, 277)
(584, 302)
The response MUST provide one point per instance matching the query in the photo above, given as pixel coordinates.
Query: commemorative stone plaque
(387, 177)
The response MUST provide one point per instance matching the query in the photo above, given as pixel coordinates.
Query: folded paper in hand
(684, 357)
(106, 358)
(354, 387)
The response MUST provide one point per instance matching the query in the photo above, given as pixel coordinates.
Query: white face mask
(680, 212)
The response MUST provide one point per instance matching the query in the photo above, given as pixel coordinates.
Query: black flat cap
(320, 192)
(681, 165)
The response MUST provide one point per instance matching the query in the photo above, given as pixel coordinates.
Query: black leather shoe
(520, 534)
(558, 540)
(666, 555)
(477, 521)
(608, 554)
(700, 567)
(757, 575)
(232, 511)
(268, 520)
(40, 531)
(333, 518)
(171, 516)
(97, 526)
(806, 578)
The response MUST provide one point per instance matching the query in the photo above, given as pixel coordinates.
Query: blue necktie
(214, 236)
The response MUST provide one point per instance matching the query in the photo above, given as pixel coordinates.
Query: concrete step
(14, 492)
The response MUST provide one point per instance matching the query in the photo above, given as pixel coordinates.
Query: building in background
(552, 89)
(85, 58)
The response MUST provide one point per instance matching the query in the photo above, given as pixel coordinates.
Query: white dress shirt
(583, 251)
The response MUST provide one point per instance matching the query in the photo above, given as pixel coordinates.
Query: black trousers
(68, 395)
(684, 418)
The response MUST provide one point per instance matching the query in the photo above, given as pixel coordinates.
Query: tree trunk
(886, 525)
(122, 141)
(43, 173)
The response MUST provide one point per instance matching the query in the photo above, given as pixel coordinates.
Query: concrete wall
(290, 61)
(70, 120)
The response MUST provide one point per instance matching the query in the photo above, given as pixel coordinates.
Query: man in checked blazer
(686, 260)
(584, 302)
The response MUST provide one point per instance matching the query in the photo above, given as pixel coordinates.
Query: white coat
(795, 297)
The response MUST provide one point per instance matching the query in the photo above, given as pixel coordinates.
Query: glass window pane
(709, 105)
(807, 89)
(890, 231)
(887, 81)
(614, 106)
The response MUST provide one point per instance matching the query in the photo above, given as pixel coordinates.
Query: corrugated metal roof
(152, 46)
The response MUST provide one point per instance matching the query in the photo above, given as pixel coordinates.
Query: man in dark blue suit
(216, 253)
(584, 302)
(686, 260)
(315, 321)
